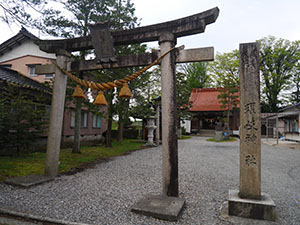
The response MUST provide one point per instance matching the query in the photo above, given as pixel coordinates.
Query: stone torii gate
(166, 34)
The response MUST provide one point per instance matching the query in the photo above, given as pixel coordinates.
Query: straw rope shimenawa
(117, 83)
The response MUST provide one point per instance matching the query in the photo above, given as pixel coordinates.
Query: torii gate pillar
(169, 134)
(168, 205)
(56, 116)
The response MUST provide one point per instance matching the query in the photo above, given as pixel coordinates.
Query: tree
(20, 12)
(225, 70)
(77, 14)
(228, 97)
(22, 118)
(225, 65)
(146, 88)
(189, 76)
(196, 75)
(278, 58)
(295, 95)
(183, 93)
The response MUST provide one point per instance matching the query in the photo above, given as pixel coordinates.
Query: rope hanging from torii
(125, 92)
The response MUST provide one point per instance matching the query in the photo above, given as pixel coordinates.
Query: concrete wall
(20, 64)
(292, 136)
(86, 133)
(26, 48)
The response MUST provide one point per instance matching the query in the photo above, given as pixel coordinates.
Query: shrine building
(207, 110)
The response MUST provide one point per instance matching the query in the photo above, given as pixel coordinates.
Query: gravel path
(207, 170)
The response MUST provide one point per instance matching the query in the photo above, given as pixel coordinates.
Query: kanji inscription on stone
(250, 160)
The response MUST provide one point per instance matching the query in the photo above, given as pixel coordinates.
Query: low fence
(292, 136)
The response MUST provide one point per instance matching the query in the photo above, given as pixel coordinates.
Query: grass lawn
(230, 140)
(183, 137)
(34, 163)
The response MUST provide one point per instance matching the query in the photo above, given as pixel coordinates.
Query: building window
(32, 70)
(84, 119)
(47, 111)
(96, 121)
(294, 126)
(7, 66)
(72, 122)
(49, 76)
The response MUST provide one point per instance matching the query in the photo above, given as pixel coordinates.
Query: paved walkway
(282, 144)
(207, 170)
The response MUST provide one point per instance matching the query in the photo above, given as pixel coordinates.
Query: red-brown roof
(206, 99)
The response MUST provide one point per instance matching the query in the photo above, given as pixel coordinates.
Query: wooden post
(277, 128)
(56, 116)
(299, 123)
(267, 133)
(250, 144)
(169, 123)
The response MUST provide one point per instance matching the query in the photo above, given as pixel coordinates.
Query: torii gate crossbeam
(181, 27)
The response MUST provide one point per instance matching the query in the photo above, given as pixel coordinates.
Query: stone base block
(159, 206)
(263, 209)
(150, 145)
(28, 181)
(219, 135)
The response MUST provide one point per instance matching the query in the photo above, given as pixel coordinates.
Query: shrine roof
(206, 99)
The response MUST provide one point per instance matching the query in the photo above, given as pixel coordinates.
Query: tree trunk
(78, 102)
(109, 121)
(297, 93)
(123, 113)
(120, 130)
(228, 116)
(179, 130)
(108, 134)
(76, 143)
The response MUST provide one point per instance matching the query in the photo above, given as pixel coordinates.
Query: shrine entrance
(103, 41)
(169, 204)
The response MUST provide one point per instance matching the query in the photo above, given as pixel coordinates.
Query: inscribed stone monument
(249, 201)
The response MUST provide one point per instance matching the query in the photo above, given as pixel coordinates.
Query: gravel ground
(105, 193)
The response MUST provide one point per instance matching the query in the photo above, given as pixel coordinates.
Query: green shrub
(22, 119)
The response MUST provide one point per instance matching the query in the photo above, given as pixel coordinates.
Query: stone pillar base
(159, 206)
(150, 145)
(263, 209)
(28, 181)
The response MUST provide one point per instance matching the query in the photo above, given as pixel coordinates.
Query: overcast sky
(239, 21)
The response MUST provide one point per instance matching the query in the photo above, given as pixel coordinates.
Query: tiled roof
(16, 40)
(295, 107)
(13, 77)
(206, 99)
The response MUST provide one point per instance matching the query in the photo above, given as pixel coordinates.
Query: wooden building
(207, 110)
